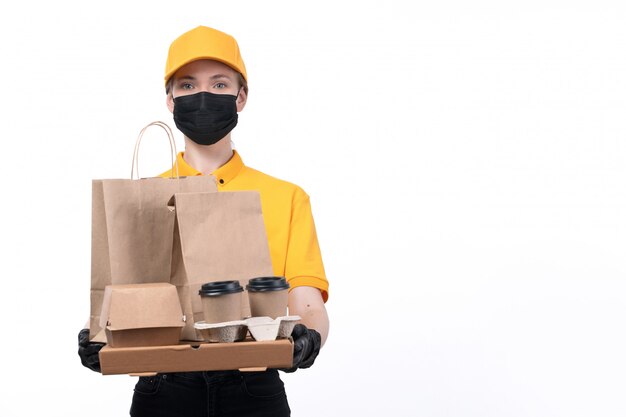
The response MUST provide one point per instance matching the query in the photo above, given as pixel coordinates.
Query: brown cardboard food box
(196, 356)
(136, 315)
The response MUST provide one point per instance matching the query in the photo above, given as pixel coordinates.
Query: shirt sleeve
(304, 266)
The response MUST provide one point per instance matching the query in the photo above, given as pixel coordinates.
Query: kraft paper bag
(217, 237)
(132, 232)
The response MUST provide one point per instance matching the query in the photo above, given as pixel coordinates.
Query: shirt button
(221, 181)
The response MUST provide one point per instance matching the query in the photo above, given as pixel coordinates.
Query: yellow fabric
(204, 43)
(288, 220)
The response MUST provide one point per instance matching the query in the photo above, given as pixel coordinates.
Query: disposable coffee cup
(221, 301)
(268, 296)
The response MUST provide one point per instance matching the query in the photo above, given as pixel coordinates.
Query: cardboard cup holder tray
(260, 329)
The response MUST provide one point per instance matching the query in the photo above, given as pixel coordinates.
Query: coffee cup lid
(267, 284)
(220, 288)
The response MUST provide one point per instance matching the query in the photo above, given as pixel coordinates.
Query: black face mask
(204, 117)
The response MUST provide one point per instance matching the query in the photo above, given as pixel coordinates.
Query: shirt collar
(223, 174)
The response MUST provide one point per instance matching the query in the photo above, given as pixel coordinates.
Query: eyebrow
(218, 76)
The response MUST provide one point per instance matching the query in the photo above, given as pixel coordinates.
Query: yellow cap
(204, 43)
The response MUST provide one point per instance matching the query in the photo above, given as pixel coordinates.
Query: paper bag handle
(173, 152)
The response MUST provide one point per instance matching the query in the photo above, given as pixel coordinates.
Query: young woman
(206, 87)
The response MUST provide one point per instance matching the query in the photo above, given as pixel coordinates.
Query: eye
(220, 85)
(186, 86)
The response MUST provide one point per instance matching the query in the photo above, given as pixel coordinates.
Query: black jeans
(204, 394)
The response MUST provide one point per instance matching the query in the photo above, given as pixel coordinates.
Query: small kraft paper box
(141, 315)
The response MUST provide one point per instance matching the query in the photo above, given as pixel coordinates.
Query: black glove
(306, 346)
(88, 351)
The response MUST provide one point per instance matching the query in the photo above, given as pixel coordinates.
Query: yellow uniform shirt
(288, 220)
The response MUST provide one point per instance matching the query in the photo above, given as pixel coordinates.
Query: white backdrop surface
(466, 163)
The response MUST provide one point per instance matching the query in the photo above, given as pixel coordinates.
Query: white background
(466, 163)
